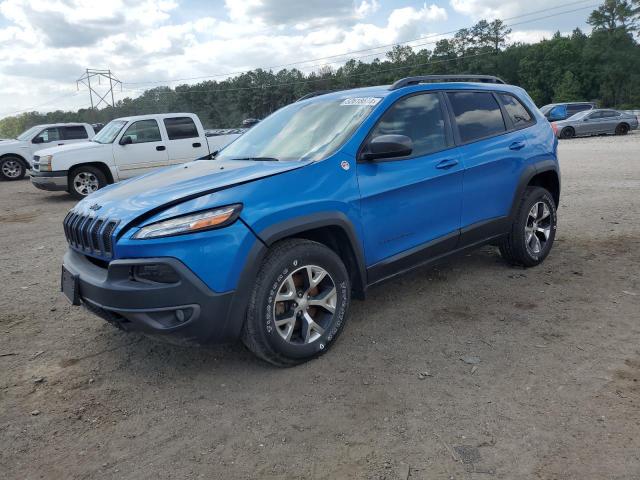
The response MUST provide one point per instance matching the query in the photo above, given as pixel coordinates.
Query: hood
(11, 143)
(125, 201)
(72, 147)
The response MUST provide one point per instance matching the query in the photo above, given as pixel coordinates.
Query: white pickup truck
(16, 154)
(124, 148)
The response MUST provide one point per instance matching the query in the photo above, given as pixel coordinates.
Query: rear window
(519, 115)
(74, 133)
(180, 127)
(477, 115)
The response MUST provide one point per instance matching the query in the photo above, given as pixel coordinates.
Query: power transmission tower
(101, 75)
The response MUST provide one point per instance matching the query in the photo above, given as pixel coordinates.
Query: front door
(146, 149)
(410, 206)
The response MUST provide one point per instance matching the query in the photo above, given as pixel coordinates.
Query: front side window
(477, 115)
(307, 130)
(418, 117)
(180, 127)
(143, 131)
(519, 115)
(76, 132)
(49, 135)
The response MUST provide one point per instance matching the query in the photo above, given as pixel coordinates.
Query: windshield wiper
(259, 159)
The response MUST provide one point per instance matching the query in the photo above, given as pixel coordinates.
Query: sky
(46, 45)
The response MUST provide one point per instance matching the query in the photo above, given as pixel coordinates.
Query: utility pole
(100, 98)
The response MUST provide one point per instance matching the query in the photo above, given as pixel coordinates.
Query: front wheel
(533, 230)
(299, 303)
(12, 168)
(84, 180)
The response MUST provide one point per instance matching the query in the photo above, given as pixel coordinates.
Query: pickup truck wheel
(299, 303)
(86, 180)
(533, 230)
(12, 168)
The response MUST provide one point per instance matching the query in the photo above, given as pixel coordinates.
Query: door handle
(196, 145)
(446, 164)
(61, 144)
(161, 148)
(516, 146)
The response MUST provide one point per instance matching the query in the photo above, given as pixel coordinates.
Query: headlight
(195, 222)
(45, 163)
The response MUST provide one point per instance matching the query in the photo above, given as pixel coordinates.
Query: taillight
(554, 127)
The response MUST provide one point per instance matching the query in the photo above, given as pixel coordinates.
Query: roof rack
(405, 82)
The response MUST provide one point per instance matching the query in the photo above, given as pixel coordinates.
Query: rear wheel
(84, 180)
(622, 129)
(12, 168)
(567, 132)
(299, 303)
(533, 230)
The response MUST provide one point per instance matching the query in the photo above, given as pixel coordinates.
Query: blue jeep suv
(269, 241)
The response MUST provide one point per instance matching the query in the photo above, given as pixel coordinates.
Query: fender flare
(529, 172)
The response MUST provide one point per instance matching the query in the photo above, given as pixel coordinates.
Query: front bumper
(50, 181)
(184, 312)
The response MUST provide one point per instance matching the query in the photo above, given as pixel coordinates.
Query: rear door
(609, 121)
(590, 124)
(410, 206)
(146, 151)
(74, 134)
(494, 149)
(185, 143)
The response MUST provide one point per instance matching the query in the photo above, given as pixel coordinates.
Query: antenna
(100, 74)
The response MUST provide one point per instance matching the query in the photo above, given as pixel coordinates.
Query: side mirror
(388, 146)
(126, 140)
(37, 140)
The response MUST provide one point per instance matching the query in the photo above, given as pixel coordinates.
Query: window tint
(143, 131)
(180, 127)
(49, 135)
(609, 114)
(595, 116)
(519, 115)
(74, 133)
(477, 114)
(420, 118)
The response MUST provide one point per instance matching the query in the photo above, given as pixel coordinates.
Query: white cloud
(48, 43)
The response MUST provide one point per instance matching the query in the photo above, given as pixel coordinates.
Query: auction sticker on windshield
(361, 101)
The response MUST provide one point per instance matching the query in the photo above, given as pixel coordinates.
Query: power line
(431, 35)
(171, 92)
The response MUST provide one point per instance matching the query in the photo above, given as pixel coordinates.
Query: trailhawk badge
(345, 165)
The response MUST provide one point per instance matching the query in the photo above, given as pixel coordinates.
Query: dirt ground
(555, 395)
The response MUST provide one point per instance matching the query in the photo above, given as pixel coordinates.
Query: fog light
(180, 315)
(155, 273)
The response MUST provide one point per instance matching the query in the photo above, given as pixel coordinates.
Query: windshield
(302, 131)
(27, 134)
(579, 115)
(110, 131)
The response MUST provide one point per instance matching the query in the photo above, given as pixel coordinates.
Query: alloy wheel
(11, 169)
(85, 183)
(304, 305)
(538, 228)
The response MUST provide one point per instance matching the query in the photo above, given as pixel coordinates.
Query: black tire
(515, 248)
(622, 129)
(92, 174)
(567, 132)
(12, 168)
(260, 333)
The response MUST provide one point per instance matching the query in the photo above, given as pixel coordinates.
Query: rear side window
(74, 133)
(180, 127)
(477, 115)
(418, 117)
(519, 115)
(143, 131)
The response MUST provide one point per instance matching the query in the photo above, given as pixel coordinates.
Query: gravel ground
(555, 394)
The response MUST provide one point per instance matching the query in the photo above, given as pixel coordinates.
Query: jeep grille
(90, 234)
